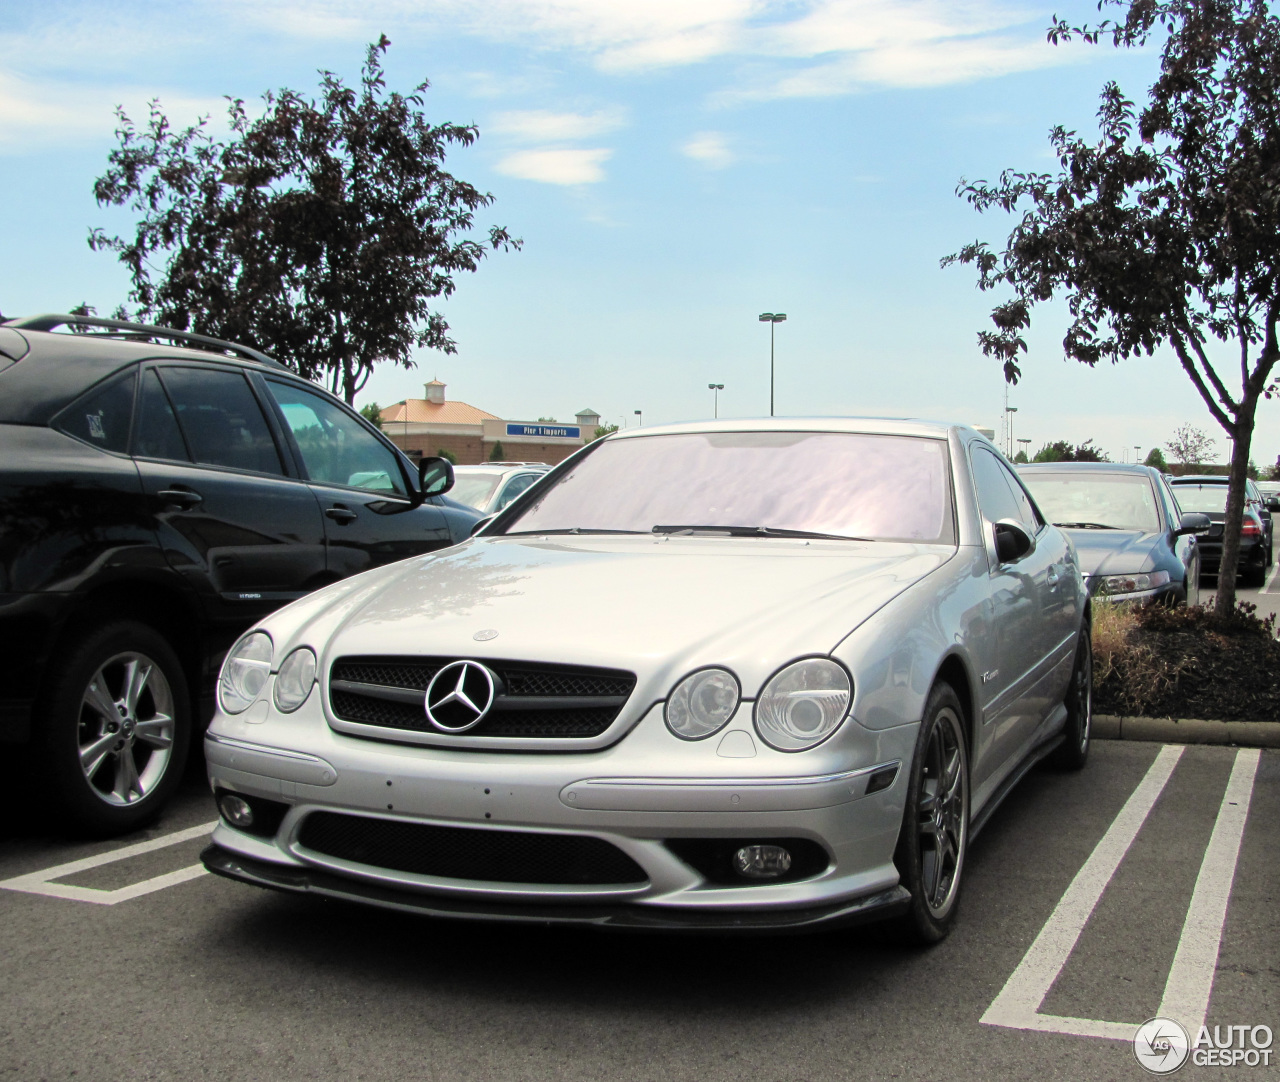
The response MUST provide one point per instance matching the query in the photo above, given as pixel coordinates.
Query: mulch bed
(1227, 670)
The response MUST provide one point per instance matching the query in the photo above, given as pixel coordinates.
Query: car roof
(880, 426)
(1087, 467)
(1200, 479)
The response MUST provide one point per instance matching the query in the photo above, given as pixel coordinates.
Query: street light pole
(1137, 450)
(773, 319)
(640, 414)
(1027, 448)
(1011, 410)
(715, 389)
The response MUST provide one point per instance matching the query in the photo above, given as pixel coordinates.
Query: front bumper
(647, 797)
(880, 906)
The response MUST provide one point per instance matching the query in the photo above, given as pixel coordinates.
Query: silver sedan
(728, 676)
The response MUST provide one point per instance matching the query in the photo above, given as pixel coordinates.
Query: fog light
(236, 811)
(762, 861)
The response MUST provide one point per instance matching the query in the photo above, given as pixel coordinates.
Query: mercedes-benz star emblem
(459, 696)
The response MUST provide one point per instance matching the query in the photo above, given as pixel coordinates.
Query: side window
(221, 420)
(1026, 507)
(336, 449)
(101, 418)
(157, 434)
(516, 486)
(995, 496)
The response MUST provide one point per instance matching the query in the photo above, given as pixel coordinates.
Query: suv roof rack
(143, 332)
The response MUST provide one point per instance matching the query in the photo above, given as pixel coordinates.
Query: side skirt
(1034, 756)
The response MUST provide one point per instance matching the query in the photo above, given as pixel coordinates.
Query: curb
(1249, 734)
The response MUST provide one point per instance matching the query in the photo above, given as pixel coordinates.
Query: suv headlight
(294, 680)
(702, 703)
(245, 672)
(803, 704)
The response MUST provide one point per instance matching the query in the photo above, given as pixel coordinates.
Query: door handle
(182, 497)
(1052, 576)
(341, 515)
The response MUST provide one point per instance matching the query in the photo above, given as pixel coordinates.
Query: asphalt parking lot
(1091, 900)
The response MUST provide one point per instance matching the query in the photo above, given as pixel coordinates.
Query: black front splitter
(260, 873)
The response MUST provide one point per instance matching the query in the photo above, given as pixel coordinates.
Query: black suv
(160, 492)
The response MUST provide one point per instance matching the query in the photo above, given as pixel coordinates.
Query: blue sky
(674, 169)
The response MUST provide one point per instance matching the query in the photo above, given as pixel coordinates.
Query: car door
(359, 482)
(245, 535)
(1185, 547)
(1024, 618)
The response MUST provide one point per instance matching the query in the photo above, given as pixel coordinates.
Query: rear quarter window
(102, 417)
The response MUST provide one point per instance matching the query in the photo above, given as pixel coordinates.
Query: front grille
(495, 856)
(538, 700)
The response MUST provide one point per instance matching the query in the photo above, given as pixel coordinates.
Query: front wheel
(935, 826)
(115, 730)
(1073, 752)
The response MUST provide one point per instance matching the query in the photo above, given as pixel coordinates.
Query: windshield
(1203, 499)
(845, 484)
(1123, 503)
(474, 488)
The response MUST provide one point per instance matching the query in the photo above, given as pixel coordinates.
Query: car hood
(641, 604)
(1113, 552)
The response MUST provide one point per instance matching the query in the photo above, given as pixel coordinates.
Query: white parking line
(1271, 580)
(42, 882)
(1186, 994)
(1190, 981)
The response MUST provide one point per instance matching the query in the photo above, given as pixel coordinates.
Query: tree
(442, 453)
(497, 454)
(1155, 458)
(547, 421)
(1063, 451)
(608, 430)
(372, 413)
(1021, 456)
(1189, 445)
(320, 231)
(1166, 231)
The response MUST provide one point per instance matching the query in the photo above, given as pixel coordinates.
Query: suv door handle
(341, 515)
(183, 497)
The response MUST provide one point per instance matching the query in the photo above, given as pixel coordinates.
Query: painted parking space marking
(44, 881)
(1190, 980)
(1269, 588)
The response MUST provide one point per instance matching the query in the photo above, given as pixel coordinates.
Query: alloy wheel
(941, 813)
(126, 728)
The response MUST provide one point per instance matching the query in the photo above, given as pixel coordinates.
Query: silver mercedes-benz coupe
(734, 676)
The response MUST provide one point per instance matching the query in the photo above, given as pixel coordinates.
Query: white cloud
(710, 148)
(541, 126)
(557, 166)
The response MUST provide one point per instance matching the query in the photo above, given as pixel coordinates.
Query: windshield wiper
(566, 530)
(1087, 526)
(752, 531)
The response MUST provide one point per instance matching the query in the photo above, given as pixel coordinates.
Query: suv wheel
(115, 730)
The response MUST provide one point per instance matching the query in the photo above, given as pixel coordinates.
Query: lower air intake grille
(537, 700)
(495, 856)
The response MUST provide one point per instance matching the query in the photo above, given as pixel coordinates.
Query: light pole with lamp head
(1011, 410)
(773, 319)
(1137, 450)
(716, 388)
(1027, 449)
(640, 414)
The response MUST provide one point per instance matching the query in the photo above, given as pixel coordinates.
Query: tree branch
(1189, 364)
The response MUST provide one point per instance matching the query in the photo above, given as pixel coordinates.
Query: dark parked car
(1208, 495)
(1133, 542)
(159, 493)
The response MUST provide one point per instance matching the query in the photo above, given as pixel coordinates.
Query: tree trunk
(1241, 438)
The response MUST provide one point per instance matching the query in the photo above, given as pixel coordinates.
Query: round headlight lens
(294, 680)
(702, 703)
(245, 672)
(803, 704)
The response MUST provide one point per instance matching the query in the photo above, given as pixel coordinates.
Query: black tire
(1073, 752)
(86, 781)
(1254, 575)
(935, 833)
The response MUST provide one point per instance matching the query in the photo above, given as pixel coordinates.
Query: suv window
(101, 418)
(221, 419)
(336, 448)
(157, 434)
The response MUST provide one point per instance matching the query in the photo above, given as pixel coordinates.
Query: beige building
(427, 426)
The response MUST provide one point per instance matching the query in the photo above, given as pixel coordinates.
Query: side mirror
(1194, 523)
(1273, 504)
(481, 523)
(435, 476)
(1013, 542)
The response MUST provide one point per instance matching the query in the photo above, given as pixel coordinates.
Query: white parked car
(490, 487)
(731, 676)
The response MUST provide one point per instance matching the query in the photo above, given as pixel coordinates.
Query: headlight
(702, 703)
(1132, 584)
(245, 672)
(803, 704)
(294, 680)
